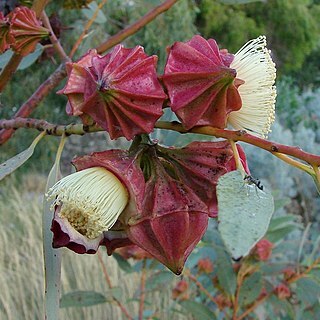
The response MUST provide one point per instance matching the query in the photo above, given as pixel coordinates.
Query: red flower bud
(201, 85)
(263, 249)
(200, 164)
(119, 91)
(26, 30)
(282, 291)
(172, 222)
(5, 38)
(205, 265)
(180, 291)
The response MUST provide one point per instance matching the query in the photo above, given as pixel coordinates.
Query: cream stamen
(91, 200)
(254, 65)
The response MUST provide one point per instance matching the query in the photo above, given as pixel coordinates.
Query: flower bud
(200, 164)
(26, 30)
(5, 38)
(205, 266)
(263, 249)
(119, 91)
(180, 291)
(172, 222)
(202, 86)
(282, 291)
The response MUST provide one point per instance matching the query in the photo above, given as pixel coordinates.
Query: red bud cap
(26, 30)
(5, 38)
(172, 222)
(200, 83)
(199, 166)
(119, 91)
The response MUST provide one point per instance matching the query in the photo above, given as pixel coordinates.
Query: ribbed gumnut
(121, 165)
(199, 166)
(120, 91)
(26, 30)
(172, 222)
(5, 39)
(201, 85)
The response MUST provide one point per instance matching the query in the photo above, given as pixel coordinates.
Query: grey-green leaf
(18, 160)
(198, 310)
(91, 9)
(123, 263)
(82, 299)
(159, 279)
(226, 275)
(308, 290)
(244, 213)
(250, 289)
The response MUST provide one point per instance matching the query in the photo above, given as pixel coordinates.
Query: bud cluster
(20, 30)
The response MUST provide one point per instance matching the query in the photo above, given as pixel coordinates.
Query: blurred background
(292, 28)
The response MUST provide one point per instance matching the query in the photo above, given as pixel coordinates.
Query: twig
(79, 129)
(10, 68)
(55, 42)
(135, 27)
(106, 276)
(254, 306)
(142, 288)
(86, 28)
(43, 90)
(200, 286)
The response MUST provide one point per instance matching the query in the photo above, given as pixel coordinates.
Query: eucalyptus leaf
(244, 213)
(226, 275)
(25, 62)
(198, 310)
(18, 160)
(158, 280)
(91, 9)
(123, 263)
(82, 299)
(250, 289)
(52, 257)
(308, 290)
(31, 58)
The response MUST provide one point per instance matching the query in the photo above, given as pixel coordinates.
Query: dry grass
(21, 264)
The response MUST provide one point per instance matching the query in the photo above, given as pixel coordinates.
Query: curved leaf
(244, 213)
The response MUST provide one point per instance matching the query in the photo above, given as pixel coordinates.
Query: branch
(35, 99)
(80, 129)
(10, 68)
(135, 27)
(200, 286)
(53, 39)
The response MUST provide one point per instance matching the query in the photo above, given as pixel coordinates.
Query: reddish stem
(135, 27)
(106, 276)
(142, 288)
(200, 286)
(55, 42)
(34, 100)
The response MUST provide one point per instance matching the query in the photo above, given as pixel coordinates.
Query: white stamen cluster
(91, 200)
(254, 65)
